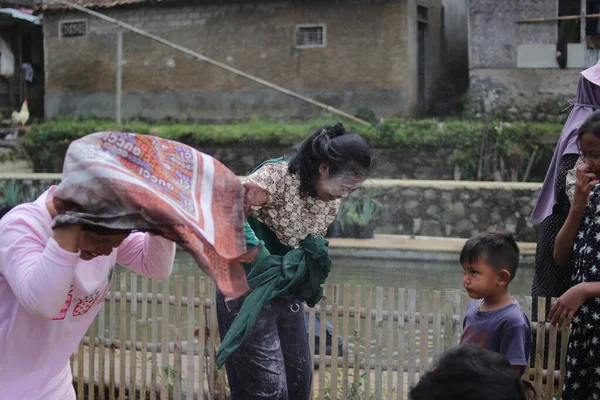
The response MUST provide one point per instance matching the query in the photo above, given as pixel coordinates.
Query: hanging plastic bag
(7, 60)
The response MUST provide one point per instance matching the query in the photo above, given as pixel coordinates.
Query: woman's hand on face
(584, 183)
(67, 236)
(567, 305)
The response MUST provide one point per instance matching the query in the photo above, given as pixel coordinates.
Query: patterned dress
(582, 381)
(288, 213)
(551, 279)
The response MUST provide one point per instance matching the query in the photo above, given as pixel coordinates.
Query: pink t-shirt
(49, 298)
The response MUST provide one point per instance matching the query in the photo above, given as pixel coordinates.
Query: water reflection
(420, 275)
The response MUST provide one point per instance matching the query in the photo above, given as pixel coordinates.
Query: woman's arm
(148, 255)
(38, 270)
(563, 244)
(565, 240)
(567, 305)
(265, 187)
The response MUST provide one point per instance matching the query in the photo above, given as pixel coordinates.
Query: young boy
(494, 320)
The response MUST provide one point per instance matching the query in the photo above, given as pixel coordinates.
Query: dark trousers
(274, 361)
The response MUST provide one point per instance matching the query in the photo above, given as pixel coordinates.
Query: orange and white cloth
(127, 181)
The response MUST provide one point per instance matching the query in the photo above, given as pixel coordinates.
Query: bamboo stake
(154, 326)
(368, 352)
(101, 352)
(437, 325)
(401, 345)
(346, 336)
(379, 343)
(191, 293)
(563, 18)
(412, 352)
(177, 357)
(202, 338)
(80, 373)
(111, 335)
(357, 322)
(133, 336)
(164, 353)
(92, 360)
(540, 346)
(122, 333)
(213, 62)
(144, 332)
(334, 343)
(424, 334)
(390, 344)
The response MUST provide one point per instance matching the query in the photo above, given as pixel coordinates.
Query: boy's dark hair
(343, 152)
(469, 372)
(497, 249)
(590, 125)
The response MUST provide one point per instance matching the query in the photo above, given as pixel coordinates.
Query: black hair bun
(336, 130)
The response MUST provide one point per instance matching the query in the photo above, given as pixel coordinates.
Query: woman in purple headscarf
(552, 206)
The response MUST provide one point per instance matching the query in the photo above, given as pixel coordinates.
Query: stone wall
(456, 209)
(364, 62)
(514, 94)
(425, 208)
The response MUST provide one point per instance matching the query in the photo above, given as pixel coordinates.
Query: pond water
(420, 275)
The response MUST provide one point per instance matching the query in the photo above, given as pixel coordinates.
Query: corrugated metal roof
(21, 15)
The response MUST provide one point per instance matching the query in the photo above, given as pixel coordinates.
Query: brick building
(380, 54)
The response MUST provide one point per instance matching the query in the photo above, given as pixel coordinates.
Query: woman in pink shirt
(52, 285)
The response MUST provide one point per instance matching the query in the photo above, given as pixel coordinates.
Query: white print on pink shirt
(63, 311)
(88, 302)
(84, 305)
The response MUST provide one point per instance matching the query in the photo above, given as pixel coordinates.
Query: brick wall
(363, 65)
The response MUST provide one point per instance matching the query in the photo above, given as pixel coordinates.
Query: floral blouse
(288, 213)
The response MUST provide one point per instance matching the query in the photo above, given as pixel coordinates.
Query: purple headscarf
(587, 101)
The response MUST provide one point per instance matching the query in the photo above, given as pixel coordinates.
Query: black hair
(469, 372)
(498, 249)
(101, 230)
(590, 125)
(341, 151)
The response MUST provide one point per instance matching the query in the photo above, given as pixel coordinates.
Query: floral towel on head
(126, 181)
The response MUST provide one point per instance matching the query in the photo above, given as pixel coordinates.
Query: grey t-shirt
(506, 331)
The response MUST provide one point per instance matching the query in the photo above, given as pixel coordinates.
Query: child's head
(331, 163)
(469, 372)
(95, 241)
(489, 262)
(589, 141)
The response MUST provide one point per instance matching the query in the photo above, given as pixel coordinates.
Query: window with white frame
(72, 28)
(310, 36)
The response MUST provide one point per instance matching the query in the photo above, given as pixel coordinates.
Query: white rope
(211, 61)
